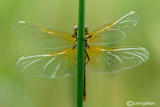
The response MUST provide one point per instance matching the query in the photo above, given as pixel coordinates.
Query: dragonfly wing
(53, 65)
(115, 31)
(112, 60)
(42, 37)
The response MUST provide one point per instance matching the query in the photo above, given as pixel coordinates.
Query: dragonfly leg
(74, 45)
(87, 57)
(86, 41)
(89, 36)
(87, 45)
(74, 36)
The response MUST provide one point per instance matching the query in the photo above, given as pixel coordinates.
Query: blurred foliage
(136, 84)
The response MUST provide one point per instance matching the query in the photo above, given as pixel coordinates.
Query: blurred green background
(137, 84)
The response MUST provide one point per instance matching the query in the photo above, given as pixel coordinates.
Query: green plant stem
(80, 52)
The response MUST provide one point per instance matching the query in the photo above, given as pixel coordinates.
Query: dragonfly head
(76, 28)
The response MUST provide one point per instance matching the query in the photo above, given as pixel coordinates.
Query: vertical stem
(80, 52)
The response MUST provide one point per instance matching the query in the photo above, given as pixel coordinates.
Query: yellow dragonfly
(99, 58)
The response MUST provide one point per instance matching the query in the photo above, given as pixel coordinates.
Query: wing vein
(116, 56)
(48, 62)
(30, 64)
(131, 53)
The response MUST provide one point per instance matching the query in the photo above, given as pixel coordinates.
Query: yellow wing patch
(53, 65)
(112, 60)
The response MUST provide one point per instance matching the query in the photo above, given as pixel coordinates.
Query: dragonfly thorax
(87, 35)
(76, 28)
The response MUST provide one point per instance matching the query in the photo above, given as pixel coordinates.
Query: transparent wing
(53, 65)
(115, 31)
(111, 60)
(42, 37)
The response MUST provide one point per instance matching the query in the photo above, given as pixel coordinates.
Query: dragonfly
(99, 57)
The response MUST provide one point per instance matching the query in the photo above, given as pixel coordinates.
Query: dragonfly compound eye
(75, 28)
